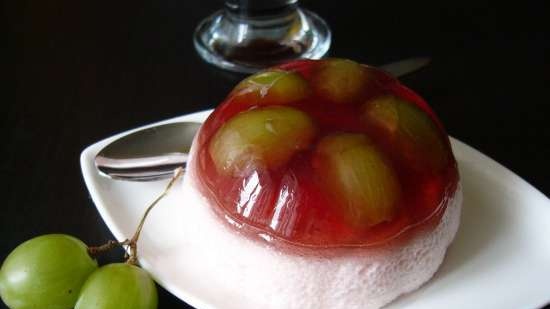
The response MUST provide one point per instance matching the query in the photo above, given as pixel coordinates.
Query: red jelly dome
(325, 153)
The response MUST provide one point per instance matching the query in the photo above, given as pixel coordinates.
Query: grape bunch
(56, 272)
(59, 271)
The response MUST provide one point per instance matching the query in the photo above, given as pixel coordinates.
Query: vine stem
(111, 244)
(131, 254)
(132, 244)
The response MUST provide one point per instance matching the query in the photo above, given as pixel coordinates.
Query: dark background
(75, 72)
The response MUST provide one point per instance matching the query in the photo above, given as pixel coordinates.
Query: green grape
(274, 86)
(340, 80)
(358, 175)
(118, 286)
(267, 137)
(416, 135)
(45, 272)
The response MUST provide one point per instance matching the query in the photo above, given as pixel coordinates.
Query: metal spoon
(154, 153)
(148, 154)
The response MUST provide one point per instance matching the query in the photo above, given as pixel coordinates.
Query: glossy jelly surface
(325, 153)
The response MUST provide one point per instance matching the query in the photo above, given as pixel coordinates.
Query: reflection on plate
(499, 259)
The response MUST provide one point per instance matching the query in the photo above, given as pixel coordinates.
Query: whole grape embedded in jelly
(325, 153)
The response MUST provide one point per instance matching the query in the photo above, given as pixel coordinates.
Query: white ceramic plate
(499, 259)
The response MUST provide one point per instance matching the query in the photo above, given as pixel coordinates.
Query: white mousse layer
(257, 275)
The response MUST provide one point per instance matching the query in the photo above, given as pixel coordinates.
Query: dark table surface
(78, 71)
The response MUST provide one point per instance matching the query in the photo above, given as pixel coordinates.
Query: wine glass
(249, 35)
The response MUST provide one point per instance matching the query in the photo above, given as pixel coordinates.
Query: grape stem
(131, 244)
(111, 244)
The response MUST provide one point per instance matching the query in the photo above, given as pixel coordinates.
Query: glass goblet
(249, 35)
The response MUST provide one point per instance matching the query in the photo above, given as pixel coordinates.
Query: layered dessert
(322, 184)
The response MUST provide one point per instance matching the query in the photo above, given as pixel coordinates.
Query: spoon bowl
(148, 154)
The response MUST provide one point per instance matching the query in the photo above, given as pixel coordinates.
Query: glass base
(250, 43)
